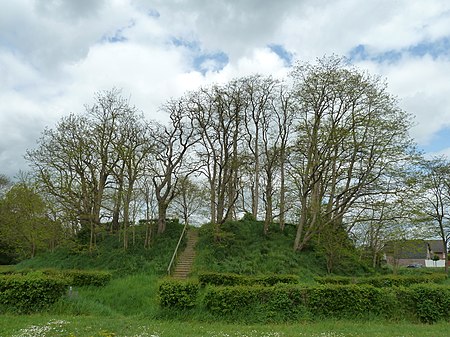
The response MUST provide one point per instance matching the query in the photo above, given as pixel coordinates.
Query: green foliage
(245, 250)
(431, 302)
(248, 217)
(82, 278)
(251, 304)
(77, 278)
(385, 280)
(110, 255)
(230, 279)
(31, 292)
(426, 303)
(131, 295)
(26, 227)
(178, 294)
(346, 301)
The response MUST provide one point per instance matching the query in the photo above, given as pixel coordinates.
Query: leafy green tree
(350, 132)
(435, 178)
(88, 157)
(25, 223)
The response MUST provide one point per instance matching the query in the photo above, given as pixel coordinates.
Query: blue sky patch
(439, 141)
(437, 48)
(118, 35)
(210, 62)
(282, 53)
(360, 53)
(153, 13)
(202, 61)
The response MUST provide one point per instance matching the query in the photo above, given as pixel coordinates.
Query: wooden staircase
(186, 259)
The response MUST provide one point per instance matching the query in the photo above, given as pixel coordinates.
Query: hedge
(30, 293)
(178, 294)
(385, 280)
(229, 279)
(426, 303)
(80, 278)
(281, 303)
(74, 277)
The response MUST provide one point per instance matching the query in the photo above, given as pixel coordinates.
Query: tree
(5, 183)
(436, 181)
(74, 162)
(190, 199)
(218, 115)
(24, 222)
(350, 131)
(170, 148)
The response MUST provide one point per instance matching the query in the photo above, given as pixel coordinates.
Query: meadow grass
(117, 325)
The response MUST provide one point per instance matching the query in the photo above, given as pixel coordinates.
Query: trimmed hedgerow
(426, 303)
(431, 303)
(30, 293)
(82, 278)
(349, 301)
(229, 279)
(385, 280)
(256, 303)
(178, 294)
(74, 277)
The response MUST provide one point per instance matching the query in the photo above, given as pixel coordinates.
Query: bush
(427, 303)
(229, 279)
(30, 293)
(431, 302)
(82, 278)
(348, 301)
(281, 303)
(178, 294)
(385, 280)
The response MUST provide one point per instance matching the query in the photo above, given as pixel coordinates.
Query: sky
(56, 54)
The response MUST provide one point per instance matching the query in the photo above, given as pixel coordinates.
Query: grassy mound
(110, 254)
(244, 249)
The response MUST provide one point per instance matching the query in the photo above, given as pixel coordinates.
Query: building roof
(413, 249)
(435, 246)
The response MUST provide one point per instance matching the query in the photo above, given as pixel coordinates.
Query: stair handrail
(174, 256)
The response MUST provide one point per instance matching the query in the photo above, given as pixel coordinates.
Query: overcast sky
(55, 54)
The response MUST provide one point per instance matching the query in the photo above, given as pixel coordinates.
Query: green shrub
(78, 278)
(347, 301)
(221, 279)
(82, 278)
(281, 303)
(30, 293)
(271, 280)
(178, 294)
(431, 302)
(230, 279)
(385, 280)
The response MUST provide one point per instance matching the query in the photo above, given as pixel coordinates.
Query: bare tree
(171, 145)
(218, 117)
(74, 161)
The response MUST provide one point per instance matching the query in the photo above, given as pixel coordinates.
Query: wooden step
(186, 258)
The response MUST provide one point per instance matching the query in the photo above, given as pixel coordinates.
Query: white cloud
(54, 54)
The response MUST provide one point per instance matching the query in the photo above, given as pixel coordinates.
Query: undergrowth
(109, 254)
(243, 248)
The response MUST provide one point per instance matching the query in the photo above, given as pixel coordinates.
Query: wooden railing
(175, 253)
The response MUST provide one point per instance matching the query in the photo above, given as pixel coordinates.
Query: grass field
(81, 326)
(128, 305)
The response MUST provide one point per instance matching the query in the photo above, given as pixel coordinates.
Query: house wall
(405, 262)
(431, 263)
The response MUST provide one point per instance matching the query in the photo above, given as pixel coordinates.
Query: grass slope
(244, 249)
(110, 255)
